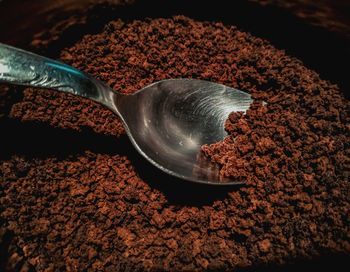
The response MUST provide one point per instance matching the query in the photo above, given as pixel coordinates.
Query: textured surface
(93, 210)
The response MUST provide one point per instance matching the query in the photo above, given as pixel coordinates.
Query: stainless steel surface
(167, 121)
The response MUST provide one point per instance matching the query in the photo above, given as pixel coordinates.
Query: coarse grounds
(93, 211)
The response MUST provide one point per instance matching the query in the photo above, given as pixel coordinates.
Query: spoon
(167, 121)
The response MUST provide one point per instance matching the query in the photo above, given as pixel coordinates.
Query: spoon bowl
(167, 121)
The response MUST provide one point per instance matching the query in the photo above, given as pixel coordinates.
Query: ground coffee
(89, 210)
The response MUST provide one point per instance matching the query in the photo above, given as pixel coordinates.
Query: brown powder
(94, 211)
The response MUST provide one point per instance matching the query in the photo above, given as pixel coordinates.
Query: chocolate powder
(92, 210)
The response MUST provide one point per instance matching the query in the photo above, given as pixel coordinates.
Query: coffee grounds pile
(93, 210)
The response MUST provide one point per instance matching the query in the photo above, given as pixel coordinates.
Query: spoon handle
(24, 68)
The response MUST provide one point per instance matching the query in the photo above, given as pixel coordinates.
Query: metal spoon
(167, 121)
